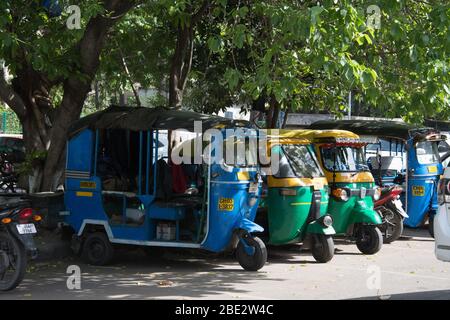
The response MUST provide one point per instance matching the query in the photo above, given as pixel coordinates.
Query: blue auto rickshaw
(120, 189)
(402, 154)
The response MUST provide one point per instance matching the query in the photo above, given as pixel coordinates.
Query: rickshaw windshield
(427, 152)
(344, 159)
(296, 161)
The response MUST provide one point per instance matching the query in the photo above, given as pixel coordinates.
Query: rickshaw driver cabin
(295, 205)
(352, 188)
(120, 190)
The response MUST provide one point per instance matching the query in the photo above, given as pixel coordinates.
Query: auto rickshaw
(415, 149)
(119, 190)
(352, 188)
(295, 203)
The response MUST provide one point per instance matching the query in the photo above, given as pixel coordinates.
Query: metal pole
(349, 109)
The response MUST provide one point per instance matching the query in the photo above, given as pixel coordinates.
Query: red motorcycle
(390, 208)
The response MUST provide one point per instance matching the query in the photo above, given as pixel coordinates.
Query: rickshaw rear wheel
(322, 247)
(369, 239)
(97, 250)
(251, 262)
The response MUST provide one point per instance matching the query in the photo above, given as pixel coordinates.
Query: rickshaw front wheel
(254, 260)
(369, 239)
(97, 250)
(322, 247)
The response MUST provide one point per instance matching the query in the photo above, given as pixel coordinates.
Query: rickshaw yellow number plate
(432, 169)
(418, 191)
(84, 194)
(226, 204)
(88, 185)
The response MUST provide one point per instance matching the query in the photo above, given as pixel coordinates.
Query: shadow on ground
(134, 275)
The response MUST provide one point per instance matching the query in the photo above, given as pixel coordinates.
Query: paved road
(408, 270)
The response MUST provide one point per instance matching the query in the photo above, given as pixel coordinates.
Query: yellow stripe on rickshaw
(305, 203)
(296, 182)
(84, 194)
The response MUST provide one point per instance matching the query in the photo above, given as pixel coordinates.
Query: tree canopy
(212, 54)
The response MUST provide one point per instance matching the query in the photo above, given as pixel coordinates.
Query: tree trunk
(45, 128)
(273, 113)
(182, 58)
(181, 66)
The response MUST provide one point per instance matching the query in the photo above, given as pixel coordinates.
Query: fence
(9, 123)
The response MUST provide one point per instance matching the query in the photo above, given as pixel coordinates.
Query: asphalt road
(406, 269)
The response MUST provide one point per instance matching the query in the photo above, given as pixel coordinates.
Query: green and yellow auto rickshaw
(352, 188)
(296, 197)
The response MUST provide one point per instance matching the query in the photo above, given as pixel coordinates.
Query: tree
(43, 55)
(308, 55)
(410, 52)
(185, 17)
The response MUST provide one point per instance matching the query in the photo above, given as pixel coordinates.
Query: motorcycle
(390, 208)
(16, 240)
(8, 176)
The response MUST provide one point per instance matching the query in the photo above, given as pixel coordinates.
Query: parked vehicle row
(124, 186)
(119, 190)
(401, 154)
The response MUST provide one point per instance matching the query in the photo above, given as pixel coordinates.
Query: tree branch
(199, 14)
(10, 97)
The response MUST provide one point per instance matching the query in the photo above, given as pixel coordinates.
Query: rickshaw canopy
(338, 138)
(388, 129)
(143, 119)
(284, 136)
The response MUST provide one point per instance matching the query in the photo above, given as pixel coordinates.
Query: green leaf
(232, 77)
(315, 14)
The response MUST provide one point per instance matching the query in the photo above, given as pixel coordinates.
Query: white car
(444, 149)
(441, 221)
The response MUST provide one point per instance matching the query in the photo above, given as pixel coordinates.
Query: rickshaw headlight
(341, 194)
(327, 221)
(377, 194)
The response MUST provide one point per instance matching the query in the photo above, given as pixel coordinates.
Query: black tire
(252, 262)
(97, 250)
(322, 247)
(431, 225)
(369, 239)
(12, 254)
(392, 229)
